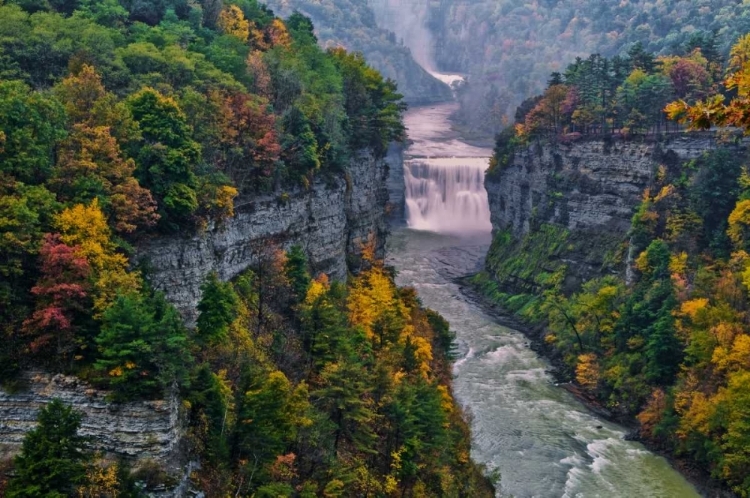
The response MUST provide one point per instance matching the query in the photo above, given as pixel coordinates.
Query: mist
(406, 18)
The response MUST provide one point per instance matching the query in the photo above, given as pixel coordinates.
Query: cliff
(146, 429)
(331, 221)
(572, 204)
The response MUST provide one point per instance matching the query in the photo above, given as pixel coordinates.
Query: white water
(444, 177)
(447, 195)
(543, 441)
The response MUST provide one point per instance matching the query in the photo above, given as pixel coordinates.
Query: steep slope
(332, 222)
(617, 253)
(508, 48)
(352, 24)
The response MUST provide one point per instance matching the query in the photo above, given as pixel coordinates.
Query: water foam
(447, 195)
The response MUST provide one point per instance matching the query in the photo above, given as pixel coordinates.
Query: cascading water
(447, 195)
(542, 440)
(444, 177)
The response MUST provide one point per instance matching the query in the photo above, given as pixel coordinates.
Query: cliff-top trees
(714, 111)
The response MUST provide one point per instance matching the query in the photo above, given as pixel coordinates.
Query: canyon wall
(144, 429)
(583, 194)
(331, 221)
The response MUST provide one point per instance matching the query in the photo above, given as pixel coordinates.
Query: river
(544, 442)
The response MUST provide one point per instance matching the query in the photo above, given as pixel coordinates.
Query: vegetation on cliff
(668, 343)
(623, 96)
(508, 48)
(124, 120)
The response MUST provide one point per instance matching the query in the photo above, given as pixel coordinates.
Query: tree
(52, 459)
(296, 271)
(548, 114)
(86, 228)
(373, 105)
(271, 412)
(249, 141)
(218, 309)
(142, 347)
(30, 124)
(63, 302)
(91, 165)
(232, 22)
(167, 155)
(714, 111)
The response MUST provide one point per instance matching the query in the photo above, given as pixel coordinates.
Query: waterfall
(447, 195)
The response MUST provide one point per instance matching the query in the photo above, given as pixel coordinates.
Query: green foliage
(372, 104)
(52, 459)
(506, 144)
(218, 308)
(143, 347)
(295, 269)
(167, 156)
(30, 123)
(528, 261)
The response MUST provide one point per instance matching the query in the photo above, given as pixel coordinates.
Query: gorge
(234, 264)
(541, 439)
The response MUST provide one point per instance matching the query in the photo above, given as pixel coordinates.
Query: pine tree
(295, 269)
(52, 459)
(218, 309)
(143, 346)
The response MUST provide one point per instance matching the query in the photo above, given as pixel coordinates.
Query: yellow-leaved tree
(86, 227)
(714, 111)
(232, 22)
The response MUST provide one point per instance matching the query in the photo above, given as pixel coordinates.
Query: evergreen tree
(52, 463)
(218, 309)
(295, 269)
(143, 346)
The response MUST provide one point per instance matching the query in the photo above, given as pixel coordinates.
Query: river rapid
(544, 442)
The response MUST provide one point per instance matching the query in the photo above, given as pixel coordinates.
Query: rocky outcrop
(331, 221)
(396, 186)
(143, 430)
(589, 188)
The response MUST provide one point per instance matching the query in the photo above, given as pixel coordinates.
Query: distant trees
(622, 94)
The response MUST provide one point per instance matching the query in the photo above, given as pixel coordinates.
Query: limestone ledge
(331, 221)
(590, 187)
(144, 429)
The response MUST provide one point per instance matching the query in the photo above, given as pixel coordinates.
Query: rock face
(331, 221)
(147, 429)
(396, 186)
(589, 188)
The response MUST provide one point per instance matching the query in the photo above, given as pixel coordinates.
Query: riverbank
(702, 480)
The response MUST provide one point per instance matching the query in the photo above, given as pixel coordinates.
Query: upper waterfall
(444, 176)
(447, 195)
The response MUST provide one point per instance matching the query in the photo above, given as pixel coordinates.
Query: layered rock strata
(331, 221)
(143, 430)
(589, 188)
